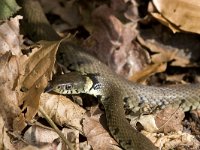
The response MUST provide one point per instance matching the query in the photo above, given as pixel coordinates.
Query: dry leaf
(148, 71)
(10, 38)
(40, 136)
(62, 110)
(37, 70)
(175, 140)
(68, 11)
(167, 47)
(97, 136)
(72, 136)
(182, 13)
(169, 120)
(162, 20)
(113, 44)
(148, 123)
(10, 58)
(9, 72)
(5, 141)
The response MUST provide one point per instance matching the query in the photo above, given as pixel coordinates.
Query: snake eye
(68, 86)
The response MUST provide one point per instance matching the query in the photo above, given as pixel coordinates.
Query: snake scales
(114, 90)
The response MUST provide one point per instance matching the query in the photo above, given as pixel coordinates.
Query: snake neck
(92, 86)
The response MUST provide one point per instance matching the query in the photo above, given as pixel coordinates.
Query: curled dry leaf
(170, 119)
(173, 47)
(165, 22)
(40, 136)
(36, 73)
(10, 57)
(68, 11)
(10, 37)
(178, 139)
(72, 136)
(148, 123)
(5, 141)
(97, 136)
(18, 72)
(182, 13)
(9, 73)
(62, 110)
(148, 71)
(112, 42)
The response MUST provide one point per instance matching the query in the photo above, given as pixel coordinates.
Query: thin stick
(52, 124)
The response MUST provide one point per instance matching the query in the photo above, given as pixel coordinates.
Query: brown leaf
(113, 43)
(40, 136)
(10, 38)
(68, 11)
(148, 71)
(168, 47)
(169, 120)
(182, 13)
(179, 140)
(5, 141)
(9, 72)
(97, 136)
(162, 20)
(37, 70)
(62, 110)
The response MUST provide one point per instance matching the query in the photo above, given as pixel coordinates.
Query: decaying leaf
(172, 48)
(68, 11)
(179, 140)
(169, 120)
(5, 141)
(9, 72)
(97, 136)
(37, 71)
(148, 123)
(72, 136)
(162, 20)
(182, 13)
(10, 38)
(113, 43)
(62, 110)
(148, 71)
(39, 136)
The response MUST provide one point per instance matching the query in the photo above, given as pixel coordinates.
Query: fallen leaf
(162, 20)
(179, 139)
(5, 141)
(112, 43)
(97, 136)
(170, 119)
(148, 123)
(37, 71)
(182, 13)
(168, 47)
(11, 40)
(68, 11)
(62, 110)
(9, 73)
(40, 136)
(148, 71)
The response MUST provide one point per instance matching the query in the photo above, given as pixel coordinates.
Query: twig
(52, 124)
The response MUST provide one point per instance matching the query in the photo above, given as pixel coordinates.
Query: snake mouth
(48, 89)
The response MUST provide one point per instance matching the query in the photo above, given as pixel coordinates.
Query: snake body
(113, 90)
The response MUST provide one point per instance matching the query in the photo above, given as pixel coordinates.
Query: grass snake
(114, 91)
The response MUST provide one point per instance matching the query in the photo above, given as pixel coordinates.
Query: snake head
(70, 83)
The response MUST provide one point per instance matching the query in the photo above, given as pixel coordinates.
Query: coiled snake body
(113, 90)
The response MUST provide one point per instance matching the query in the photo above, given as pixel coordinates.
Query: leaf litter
(120, 34)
